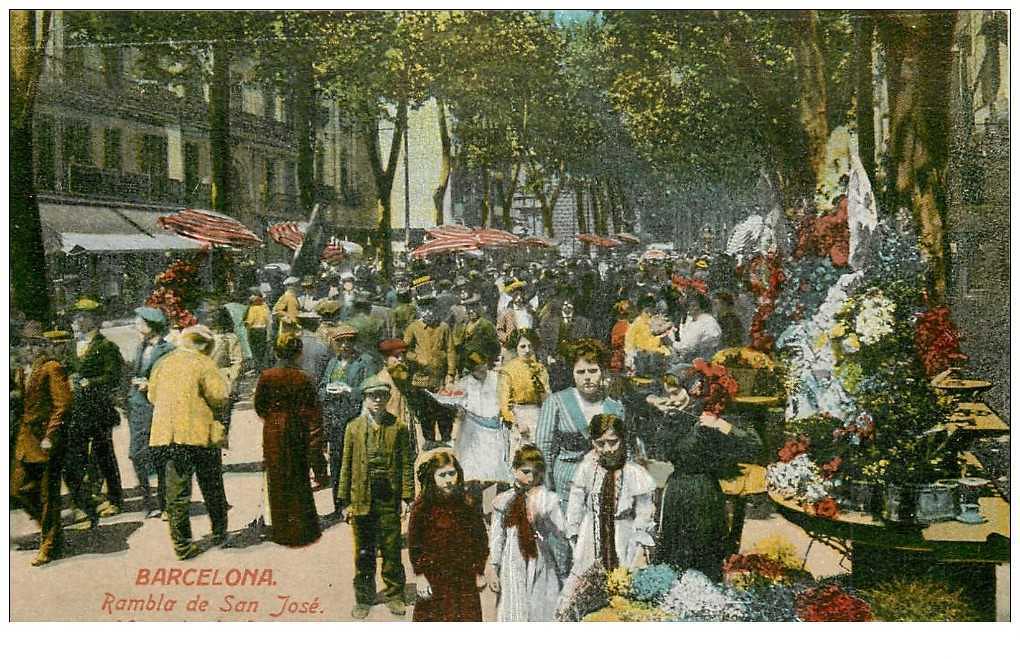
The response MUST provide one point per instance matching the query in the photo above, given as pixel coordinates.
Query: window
(111, 149)
(45, 164)
(77, 142)
(155, 165)
(269, 180)
(192, 179)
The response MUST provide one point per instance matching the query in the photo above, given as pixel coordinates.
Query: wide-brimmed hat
(58, 336)
(86, 305)
(343, 331)
(328, 308)
(474, 299)
(389, 347)
(198, 333)
(308, 282)
(515, 285)
(290, 281)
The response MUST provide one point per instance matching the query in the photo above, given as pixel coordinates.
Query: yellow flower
(852, 342)
(822, 340)
(838, 330)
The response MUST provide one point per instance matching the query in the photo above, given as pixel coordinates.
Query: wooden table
(962, 555)
(977, 419)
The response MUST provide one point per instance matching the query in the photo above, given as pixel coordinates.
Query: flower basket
(746, 378)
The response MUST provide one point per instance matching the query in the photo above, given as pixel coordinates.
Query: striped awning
(288, 234)
(447, 230)
(535, 241)
(447, 245)
(598, 241)
(210, 227)
(628, 238)
(495, 238)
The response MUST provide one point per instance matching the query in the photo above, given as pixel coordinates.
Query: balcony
(97, 183)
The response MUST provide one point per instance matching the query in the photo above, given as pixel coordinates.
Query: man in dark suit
(559, 329)
(96, 370)
(42, 439)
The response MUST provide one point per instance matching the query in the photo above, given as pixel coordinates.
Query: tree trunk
(445, 167)
(918, 47)
(29, 33)
(614, 205)
(486, 198)
(305, 115)
(813, 104)
(384, 184)
(509, 188)
(582, 218)
(219, 128)
(597, 209)
(864, 39)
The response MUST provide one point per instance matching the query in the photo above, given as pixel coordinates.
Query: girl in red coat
(447, 544)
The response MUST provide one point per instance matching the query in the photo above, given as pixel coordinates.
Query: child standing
(526, 521)
(446, 543)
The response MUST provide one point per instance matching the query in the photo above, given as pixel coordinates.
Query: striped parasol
(654, 255)
(598, 241)
(336, 250)
(628, 238)
(495, 238)
(288, 234)
(448, 230)
(209, 227)
(446, 245)
(541, 243)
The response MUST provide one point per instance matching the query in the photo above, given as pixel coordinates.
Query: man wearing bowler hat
(96, 369)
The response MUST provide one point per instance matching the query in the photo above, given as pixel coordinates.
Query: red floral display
(827, 508)
(828, 235)
(794, 447)
(830, 603)
(718, 388)
(176, 289)
(757, 564)
(766, 276)
(830, 468)
(937, 340)
(682, 284)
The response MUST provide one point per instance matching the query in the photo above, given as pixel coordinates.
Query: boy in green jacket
(375, 490)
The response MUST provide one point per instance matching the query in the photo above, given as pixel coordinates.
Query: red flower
(937, 340)
(831, 603)
(828, 235)
(830, 468)
(827, 508)
(792, 448)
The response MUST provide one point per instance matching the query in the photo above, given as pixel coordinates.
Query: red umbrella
(210, 227)
(654, 255)
(598, 241)
(541, 243)
(449, 230)
(495, 237)
(446, 245)
(288, 234)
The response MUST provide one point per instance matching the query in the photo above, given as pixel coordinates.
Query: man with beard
(610, 513)
(376, 488)
(394, 373)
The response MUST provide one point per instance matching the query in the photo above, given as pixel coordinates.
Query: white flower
(876, 317)
(696, 597)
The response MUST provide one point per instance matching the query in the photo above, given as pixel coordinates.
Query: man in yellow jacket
(186, 390)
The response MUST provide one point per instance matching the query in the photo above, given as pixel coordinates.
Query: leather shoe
(360, 611)
(396, 607)
(109, 511)
(43, 558)
(189, 553)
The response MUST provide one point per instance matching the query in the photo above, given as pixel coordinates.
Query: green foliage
(919, 600)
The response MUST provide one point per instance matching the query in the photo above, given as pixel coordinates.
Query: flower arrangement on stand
(718, 386)
(177, 292)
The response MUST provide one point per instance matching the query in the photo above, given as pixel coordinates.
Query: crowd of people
(508, 411)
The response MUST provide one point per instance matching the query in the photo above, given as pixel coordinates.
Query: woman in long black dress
(702, 448)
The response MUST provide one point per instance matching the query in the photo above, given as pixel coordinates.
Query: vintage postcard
(509, 315)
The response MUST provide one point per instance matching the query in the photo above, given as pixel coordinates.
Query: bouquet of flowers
(747, 571)
(937, 340)
(694, 597)
(177, 290)
(649, 584)
(830, 603)
(718, 386)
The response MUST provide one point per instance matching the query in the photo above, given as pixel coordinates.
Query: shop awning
(79, 228)
(210, 227)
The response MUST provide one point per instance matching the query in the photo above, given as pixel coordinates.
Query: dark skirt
(455, 600)
(295, 521)
(694, 529)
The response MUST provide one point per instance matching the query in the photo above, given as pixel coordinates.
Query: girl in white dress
(526, 522)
